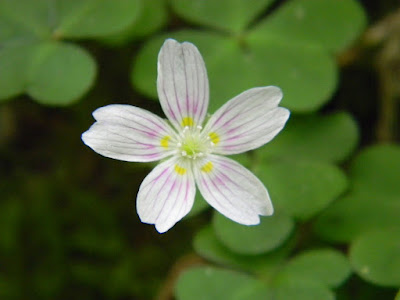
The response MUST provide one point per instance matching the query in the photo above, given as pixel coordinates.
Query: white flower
(246, 122)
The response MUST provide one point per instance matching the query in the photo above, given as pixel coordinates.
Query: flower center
(193, 144)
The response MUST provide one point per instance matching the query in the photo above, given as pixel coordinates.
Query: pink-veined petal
(167, 194)
(232, 189)
(182, 84)
(247, 121)
(129, 133)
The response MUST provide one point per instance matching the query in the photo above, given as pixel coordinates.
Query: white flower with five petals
(192, 152)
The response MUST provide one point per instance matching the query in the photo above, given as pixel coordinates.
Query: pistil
(193, 144)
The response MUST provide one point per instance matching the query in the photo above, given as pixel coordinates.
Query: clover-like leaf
(152, 16)
(268, 235)
(228, 15)
(265, 55)
(208, 246)
(374, 200)
(211, 283)
(375, 256)
(376, 171)
(34, 60)
(302, 188)
(60, 73)
(300, 288)
(330, 24)
(327, 266)
(52, 73)
(93, 18)
(307, 76)
(356, 213)
(13, 62)
(28, 16)
(314, 137)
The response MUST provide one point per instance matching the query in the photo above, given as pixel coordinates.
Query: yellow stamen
(187, 121)
(214, 137)
(180, 170)
(208, 167)
(165, 141)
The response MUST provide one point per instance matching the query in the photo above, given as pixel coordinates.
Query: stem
(383, 38)
(388, 70)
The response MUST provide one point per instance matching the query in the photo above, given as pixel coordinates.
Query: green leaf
(313, 137)
(330, 24)
(327, 266)
(301, 188)
(374, 201)
(376, 171)
(307, 77)
(60, 73)
(397, 296)
(153, 16)
(94, 18)
(375, 256)
(300, 289)
(232, 16)
(256, 291)
(55, 19)
(208, 246)
(356, 213)
(13, 61)
(29, 16)
(14, 34)
(211, 283)
(266, 236)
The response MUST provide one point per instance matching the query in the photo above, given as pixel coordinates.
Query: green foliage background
(68, 224)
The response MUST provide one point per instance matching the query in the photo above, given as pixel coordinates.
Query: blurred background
(68, 222)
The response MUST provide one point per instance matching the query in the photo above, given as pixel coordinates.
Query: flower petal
(167, 194)
(182, 84)
(232, 189)
(247, 121)
(129, 133)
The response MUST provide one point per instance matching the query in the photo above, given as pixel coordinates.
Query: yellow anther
(214, 137)
(208, 167)
(180, 170)
(165, 141)
(187, 121)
